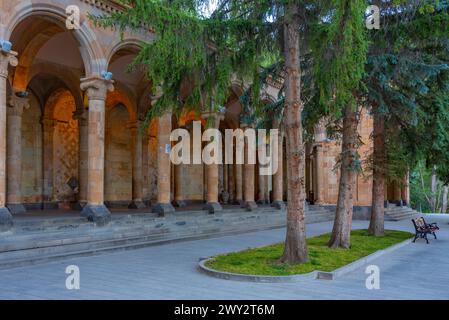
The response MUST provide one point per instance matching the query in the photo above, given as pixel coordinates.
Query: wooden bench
(422, 229)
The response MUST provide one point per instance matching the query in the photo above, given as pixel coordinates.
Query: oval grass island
(261, 264)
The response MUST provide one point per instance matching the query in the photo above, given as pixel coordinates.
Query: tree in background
(338, 75)
(405, 69)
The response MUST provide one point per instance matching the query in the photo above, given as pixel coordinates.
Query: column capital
(17, 105)
(218, 116)
(245, 126)
(6, 59)
(96, 87)
(319, 129)
(277, 122)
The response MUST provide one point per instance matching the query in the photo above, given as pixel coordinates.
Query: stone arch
(90, 51)
(238, 87)
(121, 95)
(60, 149)
(130, 45)
(70, 80)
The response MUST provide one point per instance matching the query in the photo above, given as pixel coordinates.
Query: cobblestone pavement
(169, 272)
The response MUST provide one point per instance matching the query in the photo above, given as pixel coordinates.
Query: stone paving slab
(169, 272)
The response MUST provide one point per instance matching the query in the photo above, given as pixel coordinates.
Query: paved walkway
(169, 272)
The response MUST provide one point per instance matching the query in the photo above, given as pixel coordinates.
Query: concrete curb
(317, 274)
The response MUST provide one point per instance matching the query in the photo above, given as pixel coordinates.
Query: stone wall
(65, 148)
(331, 152)
(118, 157)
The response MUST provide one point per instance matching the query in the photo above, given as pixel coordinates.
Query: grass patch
(264, 260)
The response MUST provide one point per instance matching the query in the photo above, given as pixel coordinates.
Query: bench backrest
(419, 223)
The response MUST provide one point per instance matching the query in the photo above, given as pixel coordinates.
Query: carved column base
(16, 208)
(98, 214)
(163, 208)
(225, 197)
(280, 205)
(250, 205)
(6, 222)
(137, 204)
(213, 207)
(180, 203)
(80, 205)
(239, 202)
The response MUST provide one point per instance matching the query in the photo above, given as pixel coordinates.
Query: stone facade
(71, 138)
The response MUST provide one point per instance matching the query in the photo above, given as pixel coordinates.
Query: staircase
(49, 239)
(396, 213)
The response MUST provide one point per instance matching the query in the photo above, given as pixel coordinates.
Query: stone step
(203, 222)
(157, 224)
(400, 215)
(78, 223)
(33, 248)
(398, 209)
(131, 223)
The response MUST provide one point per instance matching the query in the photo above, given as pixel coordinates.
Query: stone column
(225, 194)
(178, 170)
(278, 183)
(231, 183)
(96, 89)
(248, 176)
(145, 166)
(320, 137)
(239, 184)
(6, 59)
(137, 182)
(164, 126)
(319, 165)
(405, 191)
(212, 204)
(397, 193)
(179, 192)
(262, 185)
(14, 159)
(407, 188)
(82, 117)
(386, 201)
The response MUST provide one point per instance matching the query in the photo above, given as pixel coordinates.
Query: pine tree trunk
(341, 233)
(376, 226)
(444, 205)
(433, 190)
(295, 242)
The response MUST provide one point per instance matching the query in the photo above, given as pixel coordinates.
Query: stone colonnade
(6, 59)
(238, 181)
